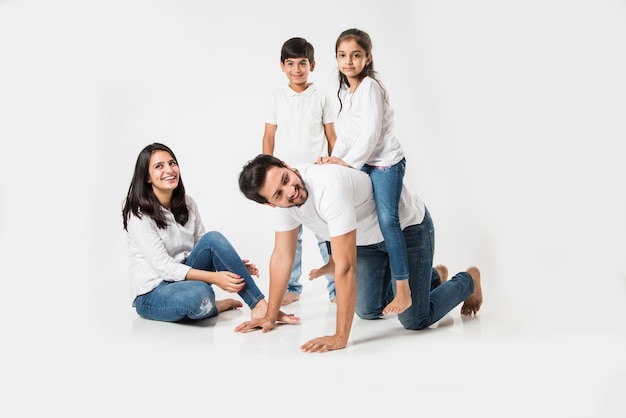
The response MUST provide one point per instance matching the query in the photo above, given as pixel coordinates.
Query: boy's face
(297, 70)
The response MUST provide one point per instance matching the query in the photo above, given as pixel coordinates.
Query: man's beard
(302, 189)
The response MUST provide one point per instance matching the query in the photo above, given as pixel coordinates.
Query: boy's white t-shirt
(300, 120)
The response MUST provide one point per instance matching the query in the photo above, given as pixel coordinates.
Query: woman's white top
(157, 255)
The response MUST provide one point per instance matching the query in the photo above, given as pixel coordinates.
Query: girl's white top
(365, 131)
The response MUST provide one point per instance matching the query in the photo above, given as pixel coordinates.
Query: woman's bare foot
(289, 297)
(227, 304)
(471, 305)
(259, 310)
(443, 272)
(402, 300)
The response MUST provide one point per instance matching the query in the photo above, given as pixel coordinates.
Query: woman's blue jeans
(173, 301)
(387, 185)
(431, 299)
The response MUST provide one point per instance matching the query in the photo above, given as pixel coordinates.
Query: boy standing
(300, 128)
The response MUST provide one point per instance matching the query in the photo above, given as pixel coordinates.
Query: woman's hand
(251, 268)
(228, 282)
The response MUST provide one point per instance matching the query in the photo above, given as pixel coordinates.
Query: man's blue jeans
(173, 301)
(431, 300)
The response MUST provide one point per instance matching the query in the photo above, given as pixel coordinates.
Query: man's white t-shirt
(341, 200)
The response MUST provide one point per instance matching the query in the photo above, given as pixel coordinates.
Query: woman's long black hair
(141, 200)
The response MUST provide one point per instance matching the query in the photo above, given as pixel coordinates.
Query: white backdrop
(511, 113)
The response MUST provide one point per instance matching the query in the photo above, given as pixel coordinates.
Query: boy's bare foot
(402, 300)
(227, 304)
(443, 272)
(259, 310)
(290, 297)
(326, 269)
(471, 305)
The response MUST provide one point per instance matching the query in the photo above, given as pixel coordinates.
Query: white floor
(505, 362)
(509, 361)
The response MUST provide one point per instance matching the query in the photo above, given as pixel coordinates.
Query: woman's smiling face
(163, 172)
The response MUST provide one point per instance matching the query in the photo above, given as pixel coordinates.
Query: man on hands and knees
(336, 202)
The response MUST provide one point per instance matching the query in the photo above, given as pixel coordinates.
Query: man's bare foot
(443, 272)
(402, 300)
(471, 305)
(259, 310)
(290, 297)
(227, 304)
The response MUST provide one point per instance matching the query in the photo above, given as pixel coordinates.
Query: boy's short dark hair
(296, 48)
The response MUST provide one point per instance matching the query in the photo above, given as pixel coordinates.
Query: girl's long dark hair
(141, 200)
(365, 42)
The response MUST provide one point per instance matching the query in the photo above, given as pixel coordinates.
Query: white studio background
(511, 113)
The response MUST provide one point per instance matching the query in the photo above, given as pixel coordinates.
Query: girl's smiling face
(351, 58)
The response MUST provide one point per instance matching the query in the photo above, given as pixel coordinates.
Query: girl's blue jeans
(387, 185)
(174, 301)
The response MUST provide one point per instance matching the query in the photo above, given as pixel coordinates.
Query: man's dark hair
(252, 176)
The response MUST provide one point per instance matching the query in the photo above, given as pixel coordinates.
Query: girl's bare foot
(402, 300)
(289, 297)
(471, 305)
(227, 304)
(443, 272)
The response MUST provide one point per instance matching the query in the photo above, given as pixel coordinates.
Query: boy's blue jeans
(294, 281)
(173, 301)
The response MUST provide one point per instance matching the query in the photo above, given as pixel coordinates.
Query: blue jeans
(173, 301)
(296, 271)
(387, 185)
(431, 299)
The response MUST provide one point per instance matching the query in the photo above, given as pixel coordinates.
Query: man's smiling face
(283, 188)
